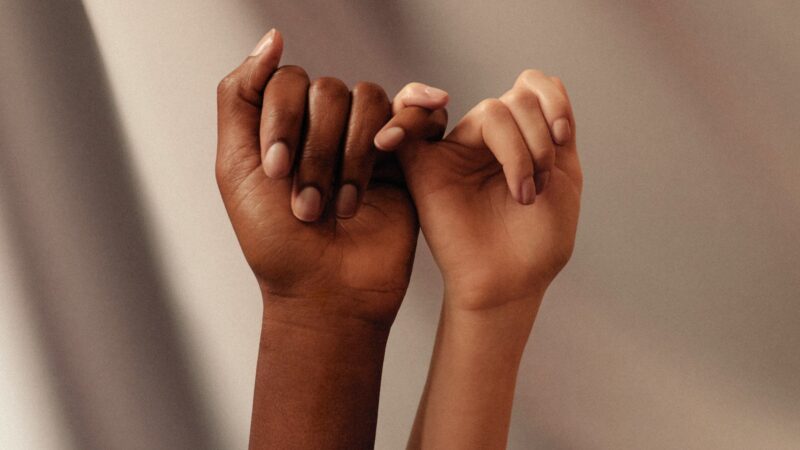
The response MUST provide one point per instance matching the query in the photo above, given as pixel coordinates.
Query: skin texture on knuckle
(227, 88)
(329, 88)
(414, 87)
(523, 98)
(291, 70)
(371, 93)
(408, 91)
(531, 74)
(492, 107)
(237, 86)
(225, 84)
(370, 108)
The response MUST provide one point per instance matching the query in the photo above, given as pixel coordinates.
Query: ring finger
(369, 111)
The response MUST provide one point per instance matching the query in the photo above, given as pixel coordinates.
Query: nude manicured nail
(561, 131)
(347, 201)
(527, 191)
(264, 43)
(307, 205)
(390, 138)
(276, 160)
(433, 92)
(541, 179)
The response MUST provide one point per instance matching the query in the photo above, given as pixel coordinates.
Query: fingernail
(541, 179)
(347, 200)
(390, 138)
(264, 43)
(435, 93)
(276, 160)
(561, 131)
(527, 191)
(307, 204)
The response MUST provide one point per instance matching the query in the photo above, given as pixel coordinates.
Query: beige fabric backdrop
(129, 320)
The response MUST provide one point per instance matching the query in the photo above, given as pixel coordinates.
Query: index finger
(239, 98)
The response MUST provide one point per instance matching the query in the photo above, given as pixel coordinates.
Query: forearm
(470, 390)
(317, 382)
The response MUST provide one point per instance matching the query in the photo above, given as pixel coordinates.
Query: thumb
(239, 97)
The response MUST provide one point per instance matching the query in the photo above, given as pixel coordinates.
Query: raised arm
(498, 203)
(328, 228)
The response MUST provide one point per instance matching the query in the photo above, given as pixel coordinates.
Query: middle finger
(328, 107)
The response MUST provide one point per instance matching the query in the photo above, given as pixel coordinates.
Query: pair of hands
(329, 224)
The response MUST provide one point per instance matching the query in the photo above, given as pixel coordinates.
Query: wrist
(318, 381)
(467, 402)
(328, 347)
(493, 297)
(335, 314)
(503, 324)
(322, 334)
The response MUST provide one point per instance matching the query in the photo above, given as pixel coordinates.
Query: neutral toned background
(129, 320)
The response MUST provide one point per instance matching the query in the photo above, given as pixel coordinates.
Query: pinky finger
(407, 124)
(411, 123)
(419, 94)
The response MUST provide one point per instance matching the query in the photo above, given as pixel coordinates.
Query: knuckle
(492, 106)
(415, 85)
(329, 86)
(560, 106)
(559, 84)
(531, 74)
(228, 85)
(371, 92)
(291, 70)
(522, 98)
(411, 88)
